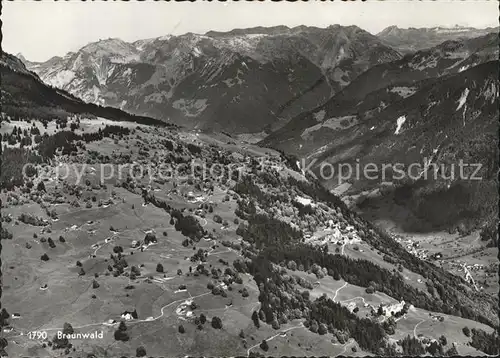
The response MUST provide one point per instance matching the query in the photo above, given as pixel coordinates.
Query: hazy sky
(40, 30)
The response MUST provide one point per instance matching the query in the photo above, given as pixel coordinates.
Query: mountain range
(437, 105)
(25, 95)
(240, 81)
(413, 39)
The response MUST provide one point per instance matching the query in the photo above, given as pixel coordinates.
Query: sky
(41, 30)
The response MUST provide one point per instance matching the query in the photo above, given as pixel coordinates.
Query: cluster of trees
(453, 298)
(23, 137)
(5, 234)
(319, 193)
(194, 149)
(281, 301)
(168, 144)
(12, 164)
(246, 186)
(65, 140)
(278, 242)
(216, 322)
(263, 231)
(245, 208)
(30, 219)
(303, 209)
(140, 351)
(188, 225)
(275, 242)
(119, 264)
(24, 95)
(60, 343)
(121, 333)
(488, 343)
(412, 346)
(490, 233)
(4, 317)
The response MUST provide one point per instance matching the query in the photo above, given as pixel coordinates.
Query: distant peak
(105, 43)
(21, 57)
(271, 30)
(389, 29)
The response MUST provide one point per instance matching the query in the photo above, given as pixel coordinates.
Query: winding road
(276, 335)
(337, 291)
(415, 328)
(130, 322)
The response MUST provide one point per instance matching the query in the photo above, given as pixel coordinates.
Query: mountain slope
(253, 257)
(241, 81)
(449, 57)
(23, 94)
(385, 84)
(450, 118)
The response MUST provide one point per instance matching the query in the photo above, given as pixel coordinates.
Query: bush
(443, 340)
(264, 346)
(121, 336)
(117, 249)
(140, 351)
(122, 326)
(181, 329)
(216, 323)
(159, 268)
(44, 257)
(255, 319)
(217, 219)
(150, 238)
(466, 331)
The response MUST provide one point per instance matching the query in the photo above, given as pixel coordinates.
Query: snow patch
(197, 52)
(96, 92)
(319, 116)
(403, 91)
(62, 78)
(191, 107)
(400, 121)
(463, 98)
(332, 123)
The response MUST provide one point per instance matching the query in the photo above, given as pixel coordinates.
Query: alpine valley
(250, 248)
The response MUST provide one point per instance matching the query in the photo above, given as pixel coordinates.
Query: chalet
(129, 315)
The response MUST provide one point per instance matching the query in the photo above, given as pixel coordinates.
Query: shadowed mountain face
(240, 81)
(24, 95)
(438, 105)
